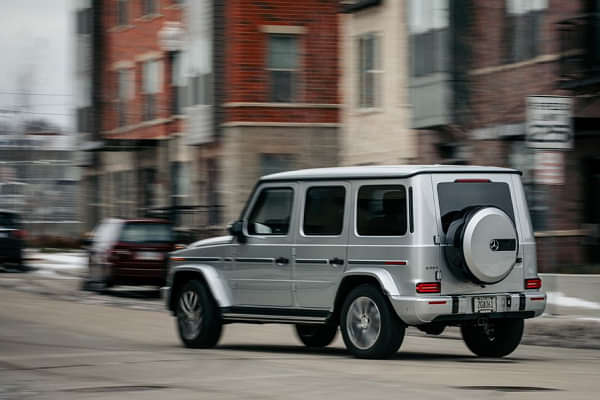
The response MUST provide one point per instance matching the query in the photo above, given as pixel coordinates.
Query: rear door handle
(282, 261)
(336, 261)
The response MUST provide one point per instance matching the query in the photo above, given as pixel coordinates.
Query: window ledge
(149, 17)
(367, 111)
(279, 105)
(121, 28)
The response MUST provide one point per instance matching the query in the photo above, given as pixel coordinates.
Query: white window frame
(377, 71)
(295, 89)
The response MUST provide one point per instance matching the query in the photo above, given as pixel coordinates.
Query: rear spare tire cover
(489, 244)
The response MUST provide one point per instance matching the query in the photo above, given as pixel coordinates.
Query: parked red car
(130, 252)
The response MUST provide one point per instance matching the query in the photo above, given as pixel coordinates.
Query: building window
(381, 211)
(324, 211)
(84, 119)
(150, 89)
(211, 192)
(84, 21)
(274, 163)
(429, 33)
(178, 87)
(149, 7)
(282, 66)
(369, 71)
(124, 94)
(201, 89)
(523, 29)
(122, 12)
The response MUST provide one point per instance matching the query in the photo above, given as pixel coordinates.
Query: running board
(275, 315)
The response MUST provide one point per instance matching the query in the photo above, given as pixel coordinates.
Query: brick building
(192, 101)
(273, 98)
(472, 69)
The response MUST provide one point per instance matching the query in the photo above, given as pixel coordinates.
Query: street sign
(549, 167)
(549, 123)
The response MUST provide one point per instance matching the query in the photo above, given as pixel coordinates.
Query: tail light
(20, 234)
(472, 181)
(534, 283)
(429, 287)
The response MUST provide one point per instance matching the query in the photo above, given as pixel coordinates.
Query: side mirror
(237, 230)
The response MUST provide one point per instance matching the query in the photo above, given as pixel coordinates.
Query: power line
(38, 94)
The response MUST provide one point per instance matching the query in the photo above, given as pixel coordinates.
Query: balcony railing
(580, 50)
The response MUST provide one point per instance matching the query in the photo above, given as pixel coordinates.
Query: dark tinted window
(454, 197)
(271, 213)
(381, 210)
(9, 220)
(140, 232)
(324, 210)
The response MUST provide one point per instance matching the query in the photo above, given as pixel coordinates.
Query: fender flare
(216, 282)
(383, 276)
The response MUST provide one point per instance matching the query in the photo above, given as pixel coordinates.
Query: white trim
(562, 233)
(280, 105)
(282, 124)
(537, 60)
(151, 55)
(123, 64)
(283, 29)
(143, 124)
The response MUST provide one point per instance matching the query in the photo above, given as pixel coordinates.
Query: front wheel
(369, 325)
(496, 338)
(198, 320)
(316, 335)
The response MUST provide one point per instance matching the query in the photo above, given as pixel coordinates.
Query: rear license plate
(484, 304)
(148, 255)
(3, 234)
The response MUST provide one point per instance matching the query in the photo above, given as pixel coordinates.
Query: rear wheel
(494, 338)
(198, 320)
(316, 335)
(369, 325)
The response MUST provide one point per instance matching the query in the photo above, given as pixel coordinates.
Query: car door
(262, 270)
(321, 242)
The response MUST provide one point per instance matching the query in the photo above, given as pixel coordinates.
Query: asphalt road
(58, 349)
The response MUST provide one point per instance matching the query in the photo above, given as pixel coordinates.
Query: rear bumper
(455, 309)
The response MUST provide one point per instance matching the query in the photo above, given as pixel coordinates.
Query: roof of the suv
(382, 171)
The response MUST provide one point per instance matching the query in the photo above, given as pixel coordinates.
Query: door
(321, 243)
(262, 271)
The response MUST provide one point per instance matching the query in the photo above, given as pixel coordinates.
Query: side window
(271, 213)
(324, 210)
(381, 210)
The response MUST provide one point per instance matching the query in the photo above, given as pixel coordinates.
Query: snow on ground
(559, 299)
(72, 260)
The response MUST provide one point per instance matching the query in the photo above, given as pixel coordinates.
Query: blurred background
(173, 108)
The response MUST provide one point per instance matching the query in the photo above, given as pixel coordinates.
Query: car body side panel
(214, 279)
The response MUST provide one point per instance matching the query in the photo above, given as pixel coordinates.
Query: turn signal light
(429, 287)
(535, 283)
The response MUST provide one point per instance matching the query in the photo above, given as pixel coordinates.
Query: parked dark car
(12, 238)
(130, 252)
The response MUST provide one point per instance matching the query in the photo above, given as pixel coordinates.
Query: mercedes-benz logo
(494, 245)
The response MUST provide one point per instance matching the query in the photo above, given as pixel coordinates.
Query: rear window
(146, 233)
(455, 197)
(9, 220)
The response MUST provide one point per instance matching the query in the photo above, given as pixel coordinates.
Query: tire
(364, 338)
(502, 339)
(316, 335)
(198, 318)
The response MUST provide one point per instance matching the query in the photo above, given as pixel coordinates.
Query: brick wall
(127, 44)
(246, 54)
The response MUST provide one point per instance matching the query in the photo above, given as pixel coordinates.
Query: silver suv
(371, 250)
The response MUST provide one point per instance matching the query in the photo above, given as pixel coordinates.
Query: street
(52, 348)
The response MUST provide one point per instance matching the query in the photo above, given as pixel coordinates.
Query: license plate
(3, 234)
(484, 304)
(148, 255)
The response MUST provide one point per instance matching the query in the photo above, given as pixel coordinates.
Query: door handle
(336, 261)
(282, 261)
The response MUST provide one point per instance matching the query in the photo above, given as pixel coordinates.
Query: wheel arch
(209, 275)
(379, 278)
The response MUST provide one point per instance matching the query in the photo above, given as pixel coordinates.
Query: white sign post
(549, 122)
(549, 131)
